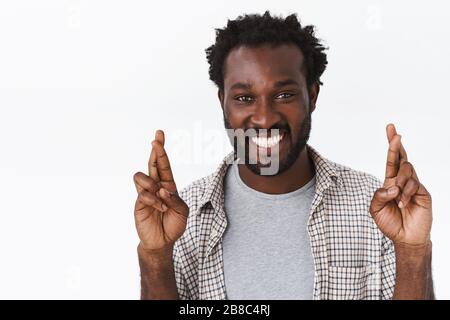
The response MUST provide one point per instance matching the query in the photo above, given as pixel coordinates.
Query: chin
(262, 168)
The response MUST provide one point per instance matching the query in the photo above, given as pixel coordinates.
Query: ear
(313, 94)
(221, 97)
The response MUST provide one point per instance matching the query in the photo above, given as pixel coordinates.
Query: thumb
(382, 196)
(173, 201)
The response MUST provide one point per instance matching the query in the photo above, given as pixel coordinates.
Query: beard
(296, 147)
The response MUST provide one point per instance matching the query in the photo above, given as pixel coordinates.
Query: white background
(84, 84)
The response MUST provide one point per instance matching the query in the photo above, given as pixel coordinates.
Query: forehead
(251, 64)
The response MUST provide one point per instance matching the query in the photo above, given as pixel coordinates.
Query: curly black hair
(256, 29)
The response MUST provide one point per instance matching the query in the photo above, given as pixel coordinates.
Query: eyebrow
(286, 82)
(278, 84)
(241, 85)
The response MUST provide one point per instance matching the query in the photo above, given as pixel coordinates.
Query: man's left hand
(401, 208)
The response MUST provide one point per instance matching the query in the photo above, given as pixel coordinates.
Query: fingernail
(400, 204)
(391, 190)
(164, 207)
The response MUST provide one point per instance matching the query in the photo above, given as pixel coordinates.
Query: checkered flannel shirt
(352, 258)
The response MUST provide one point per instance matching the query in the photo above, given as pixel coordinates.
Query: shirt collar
(326, 175)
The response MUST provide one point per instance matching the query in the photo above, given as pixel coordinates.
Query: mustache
(280, 127)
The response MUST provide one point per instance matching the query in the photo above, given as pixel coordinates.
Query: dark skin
(272, 90)
(264, 87)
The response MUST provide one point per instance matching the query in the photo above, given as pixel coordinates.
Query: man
(314, 229)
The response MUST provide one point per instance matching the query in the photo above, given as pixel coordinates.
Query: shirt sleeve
(183, 291)
(388, 270)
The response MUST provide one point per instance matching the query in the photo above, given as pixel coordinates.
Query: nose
(264, 116)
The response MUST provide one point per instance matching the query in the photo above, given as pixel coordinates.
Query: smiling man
(313, 229)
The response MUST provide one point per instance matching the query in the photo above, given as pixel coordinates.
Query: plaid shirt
(352, 258)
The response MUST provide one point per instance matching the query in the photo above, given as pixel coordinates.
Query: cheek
(295, 117)
(236, 116)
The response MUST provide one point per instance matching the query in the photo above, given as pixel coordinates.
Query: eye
(244, 98)
(284, 95)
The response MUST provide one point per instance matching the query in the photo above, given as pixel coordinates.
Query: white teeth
(267, 142)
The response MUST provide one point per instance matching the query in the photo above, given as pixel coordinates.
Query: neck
(299, 174)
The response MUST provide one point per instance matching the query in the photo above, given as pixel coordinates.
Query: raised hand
(160, 214)
(401, 208)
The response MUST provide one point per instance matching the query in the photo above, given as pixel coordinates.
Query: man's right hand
(160, 214)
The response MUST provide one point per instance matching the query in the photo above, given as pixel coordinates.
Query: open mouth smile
(265, 142)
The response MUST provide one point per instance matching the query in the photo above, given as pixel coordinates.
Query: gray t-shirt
(266, 247)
